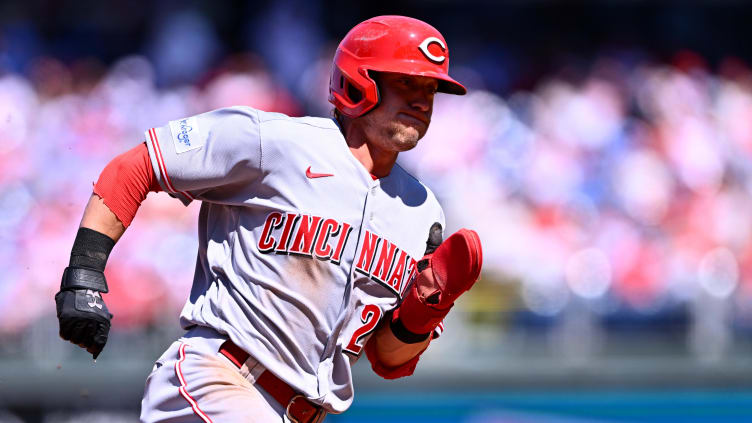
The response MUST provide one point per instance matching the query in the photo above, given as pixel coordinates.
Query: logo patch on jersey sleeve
(186, 134)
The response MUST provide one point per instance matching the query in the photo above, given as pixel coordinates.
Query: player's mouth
(413, 118)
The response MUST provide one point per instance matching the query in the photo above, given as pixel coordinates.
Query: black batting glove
(83, 316)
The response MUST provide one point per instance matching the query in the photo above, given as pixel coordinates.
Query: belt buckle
(289, 411)
(305, 413)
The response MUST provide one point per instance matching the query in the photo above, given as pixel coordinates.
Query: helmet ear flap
(353, 93)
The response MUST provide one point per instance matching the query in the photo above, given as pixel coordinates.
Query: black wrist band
(91, 249)
(403, 334)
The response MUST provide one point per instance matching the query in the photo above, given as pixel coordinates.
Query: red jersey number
(370, 317)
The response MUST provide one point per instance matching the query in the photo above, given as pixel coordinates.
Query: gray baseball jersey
(301, 250)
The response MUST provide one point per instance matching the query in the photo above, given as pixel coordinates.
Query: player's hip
(194, 381)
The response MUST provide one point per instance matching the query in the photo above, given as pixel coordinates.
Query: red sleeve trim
(438, 330)
(162, 167)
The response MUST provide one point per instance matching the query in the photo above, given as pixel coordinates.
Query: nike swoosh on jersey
(312, 175)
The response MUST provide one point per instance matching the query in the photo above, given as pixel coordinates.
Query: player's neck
(377, 161)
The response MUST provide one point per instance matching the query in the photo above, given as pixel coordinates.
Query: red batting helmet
(396, 44)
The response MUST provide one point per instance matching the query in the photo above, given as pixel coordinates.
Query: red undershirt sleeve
(125, 182)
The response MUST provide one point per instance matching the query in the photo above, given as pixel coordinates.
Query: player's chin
(406, 143)
(407, 138)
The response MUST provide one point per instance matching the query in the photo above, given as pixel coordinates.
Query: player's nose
(422, 102)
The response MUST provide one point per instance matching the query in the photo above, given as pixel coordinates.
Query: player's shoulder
(414, 187)
(409, 181)
(297, 123)
(278, 130)
(279, 119)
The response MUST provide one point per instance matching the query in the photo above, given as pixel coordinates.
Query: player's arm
(444, 273)
(392, 346)
(393, 352)
(122, 186)
(99, 217)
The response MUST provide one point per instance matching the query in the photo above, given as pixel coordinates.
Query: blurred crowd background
(603, 153)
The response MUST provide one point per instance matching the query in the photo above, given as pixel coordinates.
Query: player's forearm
(391, 351)
(99, 217)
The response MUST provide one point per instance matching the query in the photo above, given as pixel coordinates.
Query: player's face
(404, 111)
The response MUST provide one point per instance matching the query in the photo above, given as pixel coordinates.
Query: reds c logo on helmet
(424, 48)
(396, 44)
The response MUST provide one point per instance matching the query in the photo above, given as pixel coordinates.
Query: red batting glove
(444, 275)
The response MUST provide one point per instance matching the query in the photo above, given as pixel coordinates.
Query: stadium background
(603, 154)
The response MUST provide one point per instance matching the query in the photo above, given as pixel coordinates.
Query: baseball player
(314, 245)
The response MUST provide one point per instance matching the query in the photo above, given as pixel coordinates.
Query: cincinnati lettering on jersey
(313, 236)
(304, 235)
(385, 263)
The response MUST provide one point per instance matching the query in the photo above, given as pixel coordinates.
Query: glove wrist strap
(404, 334)
(83, 278)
